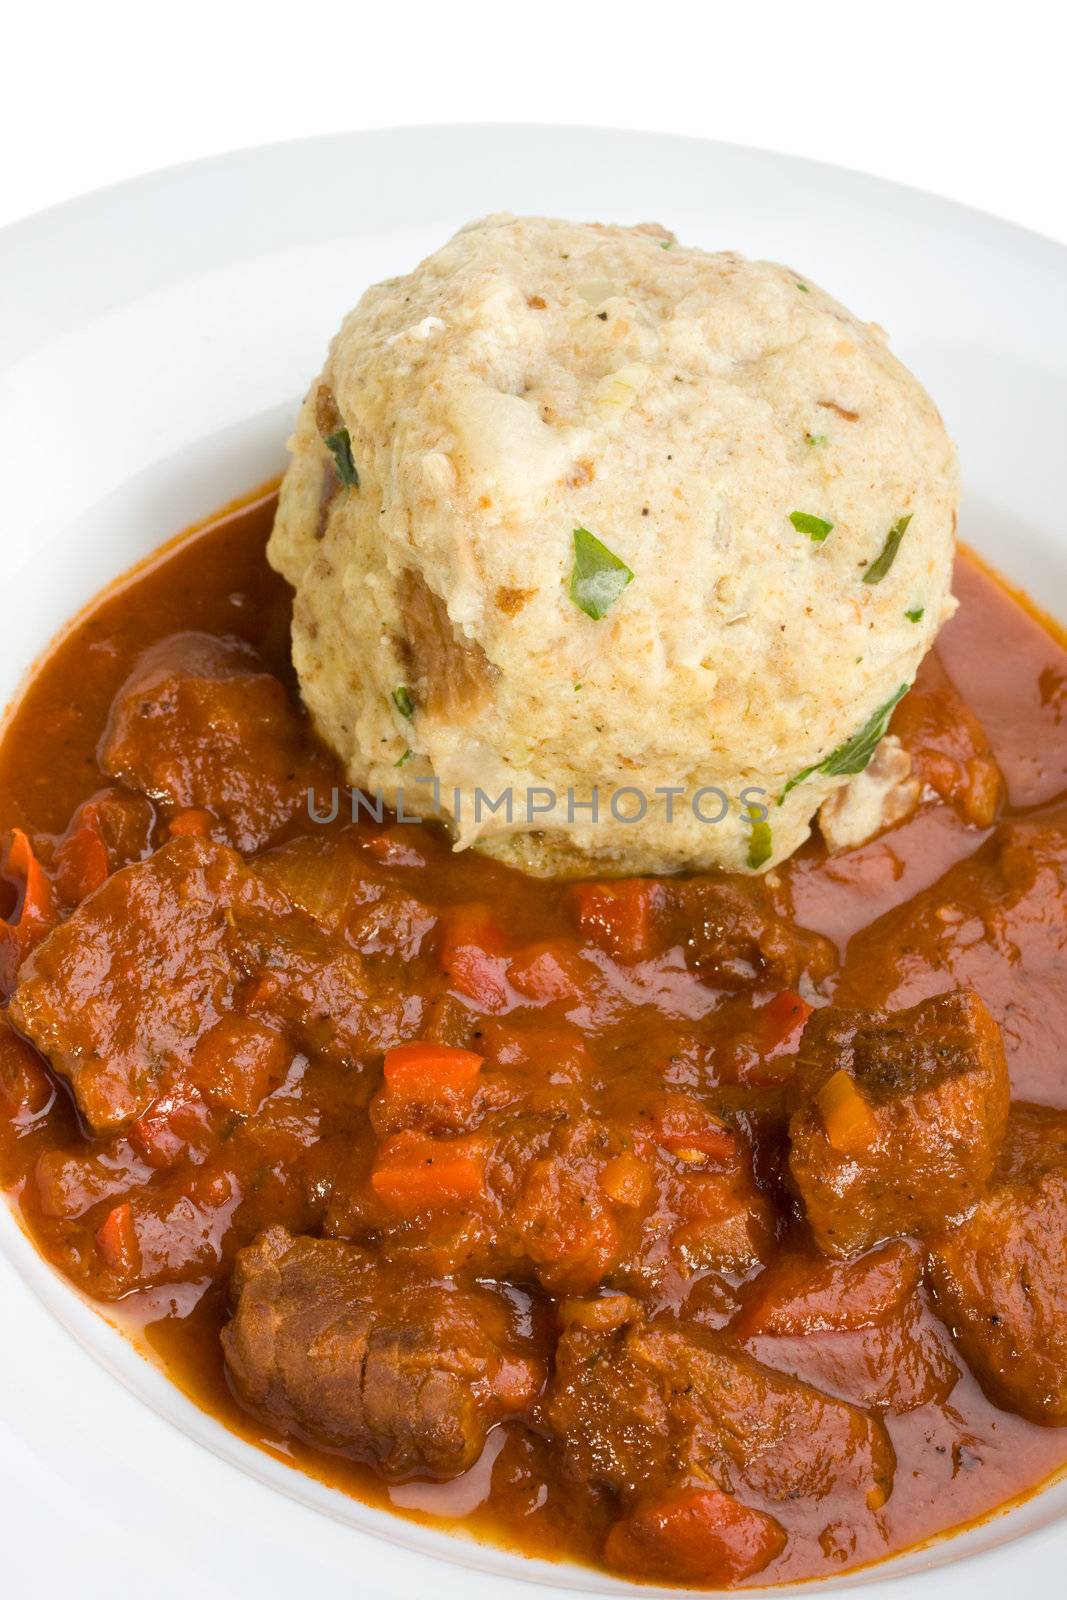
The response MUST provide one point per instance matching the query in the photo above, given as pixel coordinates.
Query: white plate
(154, 341)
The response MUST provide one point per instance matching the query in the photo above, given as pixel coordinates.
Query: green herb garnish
(403, 701)
(854, 755)
(598, 577)
(816, 528)
(760, 848)
(815, 438)
(802, 286)
(916, 615)
(339, 444)
(404, 759)
(878, 568)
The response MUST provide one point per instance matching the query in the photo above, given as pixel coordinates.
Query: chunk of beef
(1000, 1278)
(646, 1405)
(170, 1232)
(200, 725)
(501, 1180)
(633, 1202)
(330, 1345)
(900, 1119)
(736, 932)
(741, 931)
(313, 987)
(452, 675)
(858, 1329)
(995, 923)
(118, 996)
(333, 879)
(949, 750)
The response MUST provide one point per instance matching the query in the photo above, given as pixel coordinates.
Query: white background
(963, 99)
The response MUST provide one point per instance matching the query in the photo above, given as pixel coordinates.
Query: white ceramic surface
(154, 341)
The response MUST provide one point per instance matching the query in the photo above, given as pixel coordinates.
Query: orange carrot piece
(116, 1240)
(847, 1118)
(415, 1173)
(36, 909)
(549, 971)
(617, 916)
(695, 1535)
(425, 1072)
(689, 1131)
(472, 955)
(81, 864)
(172, 1124)
(781, 1022)
(22, 866)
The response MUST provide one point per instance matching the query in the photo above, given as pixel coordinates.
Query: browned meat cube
(735, 932)
(900, 1119)
(858, 1329)
(657, 1190)
(740, 931)
(994, 923)
(645, 1405)
(118, 996)
(200, 725)
(328, 1344)
(333, 879)
(1000, 1278)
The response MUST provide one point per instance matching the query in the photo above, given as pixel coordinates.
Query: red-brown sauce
(958, 1460)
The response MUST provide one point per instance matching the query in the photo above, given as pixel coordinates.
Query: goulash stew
(710, 1229)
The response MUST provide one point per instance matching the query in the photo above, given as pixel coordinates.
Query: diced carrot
(617, 916)
(193, 822)
(472, 956)
(473, 924)
(847, 1118)
(81, 863)
(36, 910)
(626, 1179)
(414, 1173)
(21, 867)
(698, 1535)
(423, 1072)
(691, 1132)
(396, 846)
(548, 972)
(781, 1022)
(116, 1240)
